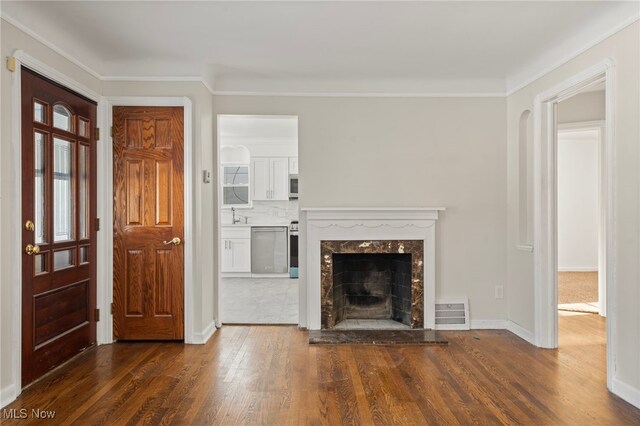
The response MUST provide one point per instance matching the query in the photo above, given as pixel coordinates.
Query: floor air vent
(452, 314)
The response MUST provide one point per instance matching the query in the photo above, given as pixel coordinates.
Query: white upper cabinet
(270, 178)
(261, 181)
(293, 165)
(236, 191)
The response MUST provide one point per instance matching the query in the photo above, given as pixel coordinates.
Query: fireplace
(372, 280)
(362, 230)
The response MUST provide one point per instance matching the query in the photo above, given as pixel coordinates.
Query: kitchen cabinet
(270, 178)
(293, 165)
(236, 249)
(235, 185)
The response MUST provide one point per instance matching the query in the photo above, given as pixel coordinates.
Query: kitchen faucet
(237, 219)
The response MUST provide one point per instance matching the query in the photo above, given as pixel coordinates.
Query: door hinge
(11, 63)
(97, 133)
(97, 314)
(97, 223)
(111, 131)
(113, 308)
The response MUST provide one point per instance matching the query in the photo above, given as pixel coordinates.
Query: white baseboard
(204, 336)
(577, 269)
(7, 395)
(521, 332)
(626, 392)
(488, 324)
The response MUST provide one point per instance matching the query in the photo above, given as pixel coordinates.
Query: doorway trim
(545, 209)
(24, 59)
(599, 126)
(105, 209)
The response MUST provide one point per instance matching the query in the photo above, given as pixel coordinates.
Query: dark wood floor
(270, 375)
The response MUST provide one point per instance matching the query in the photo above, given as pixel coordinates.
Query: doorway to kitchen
(258, 234)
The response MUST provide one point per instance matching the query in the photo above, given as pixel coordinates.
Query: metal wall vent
(452, 314)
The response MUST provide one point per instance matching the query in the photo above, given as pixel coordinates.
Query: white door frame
(15, 275)
(105, 209)
(545, 209)
(599, 127)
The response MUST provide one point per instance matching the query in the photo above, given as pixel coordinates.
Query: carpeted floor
(578, 291)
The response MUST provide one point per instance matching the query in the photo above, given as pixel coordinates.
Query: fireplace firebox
(372, 286)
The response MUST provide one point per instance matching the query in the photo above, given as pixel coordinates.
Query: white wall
(578, 200)
(397, 152)
(623, 48)
(589, 106)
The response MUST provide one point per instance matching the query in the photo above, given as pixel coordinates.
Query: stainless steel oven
(293, 249)
(293, 187)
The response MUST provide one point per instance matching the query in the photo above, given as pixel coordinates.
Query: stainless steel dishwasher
(269, 251)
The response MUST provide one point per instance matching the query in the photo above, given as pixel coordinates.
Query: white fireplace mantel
(369, 223)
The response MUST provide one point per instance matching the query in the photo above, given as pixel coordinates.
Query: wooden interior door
(58, 225)
(148, 262)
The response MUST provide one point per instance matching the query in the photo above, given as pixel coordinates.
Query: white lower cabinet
(236, 249)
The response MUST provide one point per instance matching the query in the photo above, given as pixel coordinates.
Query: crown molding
(531, 74)
(50, 45)
(360, 94)
(536, 75)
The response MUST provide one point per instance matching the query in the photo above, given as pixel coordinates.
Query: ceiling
(415, 47)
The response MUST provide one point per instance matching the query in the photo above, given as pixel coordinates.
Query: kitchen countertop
(257, 224)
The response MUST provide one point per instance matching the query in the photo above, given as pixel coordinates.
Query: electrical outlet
(499, 292)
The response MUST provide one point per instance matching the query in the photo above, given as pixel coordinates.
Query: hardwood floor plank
(271, 375)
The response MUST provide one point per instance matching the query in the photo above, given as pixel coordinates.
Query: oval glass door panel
(62, 190)
(62, 118)
(39, 201)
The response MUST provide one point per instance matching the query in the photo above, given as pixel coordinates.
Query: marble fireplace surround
(369, 224)
(413, 247)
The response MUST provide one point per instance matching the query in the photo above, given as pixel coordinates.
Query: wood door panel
(134, 289)
(163, 134)
(58, 304)
(57, 351)
(148, 172)
(163, 207)
(135, 191)
(163, 289)
(134, 133)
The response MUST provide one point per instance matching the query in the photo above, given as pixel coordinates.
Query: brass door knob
(32, 249)
(175, 241)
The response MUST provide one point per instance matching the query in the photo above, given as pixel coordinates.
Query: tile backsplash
(265, 213)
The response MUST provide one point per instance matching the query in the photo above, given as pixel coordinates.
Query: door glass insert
(62, 118)
(39, 112)
(40, 187)
(83, 182)
(62, 190)
(40, 262)
(84, 254)
(83, 127)
(62, 259)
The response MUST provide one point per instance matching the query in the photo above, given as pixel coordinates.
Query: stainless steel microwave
(293, 187)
